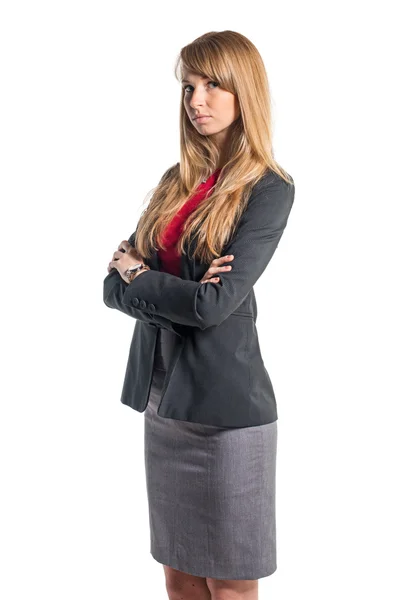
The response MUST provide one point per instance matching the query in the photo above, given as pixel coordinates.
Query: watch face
(130, 273)
(134, 269)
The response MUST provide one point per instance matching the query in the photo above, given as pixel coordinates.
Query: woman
(194, 365)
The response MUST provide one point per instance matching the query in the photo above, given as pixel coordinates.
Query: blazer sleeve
(200, 305)
(114, 288)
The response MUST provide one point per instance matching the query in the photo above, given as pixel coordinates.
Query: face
(205, 96)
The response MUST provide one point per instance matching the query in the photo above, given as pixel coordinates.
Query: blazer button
(143, 304)
(135, 301)
(151, 307)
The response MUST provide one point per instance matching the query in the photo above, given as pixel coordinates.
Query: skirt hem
(216, 574)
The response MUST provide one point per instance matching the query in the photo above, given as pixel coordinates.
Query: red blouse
(169, 258)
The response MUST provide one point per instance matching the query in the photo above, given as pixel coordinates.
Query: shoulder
(272, 193)
(169, 173)
(272, 181)
(270, 203)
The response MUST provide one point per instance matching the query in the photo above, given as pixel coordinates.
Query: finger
(222, 259)
(124, 246)
(213, 270)
(117, 254)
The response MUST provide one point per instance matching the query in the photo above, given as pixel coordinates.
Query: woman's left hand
(126, 256)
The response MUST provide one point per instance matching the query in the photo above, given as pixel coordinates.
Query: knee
(233, 589)
(182, 585)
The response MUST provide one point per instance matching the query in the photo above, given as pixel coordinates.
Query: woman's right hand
(217, 266)
(126, 246)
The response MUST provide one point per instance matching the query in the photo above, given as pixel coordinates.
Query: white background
(89, 122)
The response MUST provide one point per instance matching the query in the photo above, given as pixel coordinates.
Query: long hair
(230, 59)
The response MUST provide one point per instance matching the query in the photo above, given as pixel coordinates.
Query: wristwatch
(131, 272)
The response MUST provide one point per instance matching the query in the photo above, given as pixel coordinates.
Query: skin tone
(126, 256)
(202, 96)
(205, 96)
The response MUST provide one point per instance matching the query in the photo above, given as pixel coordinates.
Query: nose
(197, 98)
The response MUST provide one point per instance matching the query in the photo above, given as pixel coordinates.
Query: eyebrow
(186, 81)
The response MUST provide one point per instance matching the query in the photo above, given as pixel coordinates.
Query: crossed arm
(177, 303)
(114, 288)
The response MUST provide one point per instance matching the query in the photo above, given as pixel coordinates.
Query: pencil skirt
(210, 490)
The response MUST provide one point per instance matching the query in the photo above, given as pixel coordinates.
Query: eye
(214, 82)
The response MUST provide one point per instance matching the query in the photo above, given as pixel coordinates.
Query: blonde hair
(235, 63)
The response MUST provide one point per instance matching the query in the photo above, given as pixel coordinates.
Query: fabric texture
(210, 489)
(217, 375)
(170, 258)
(211, 494)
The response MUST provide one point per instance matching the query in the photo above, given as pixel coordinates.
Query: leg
(182, 586)
(233, 589)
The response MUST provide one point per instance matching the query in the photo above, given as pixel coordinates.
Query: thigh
(190, 586)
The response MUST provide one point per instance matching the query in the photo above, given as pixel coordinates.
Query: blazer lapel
(153, 262)
(192, 268)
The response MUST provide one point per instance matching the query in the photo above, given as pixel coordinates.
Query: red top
(169, 258)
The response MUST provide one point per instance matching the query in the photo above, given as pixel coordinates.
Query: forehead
(193, 75)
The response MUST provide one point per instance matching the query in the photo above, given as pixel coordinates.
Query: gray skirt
(210, 489)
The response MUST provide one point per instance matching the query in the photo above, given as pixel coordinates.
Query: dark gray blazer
(216, 375)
